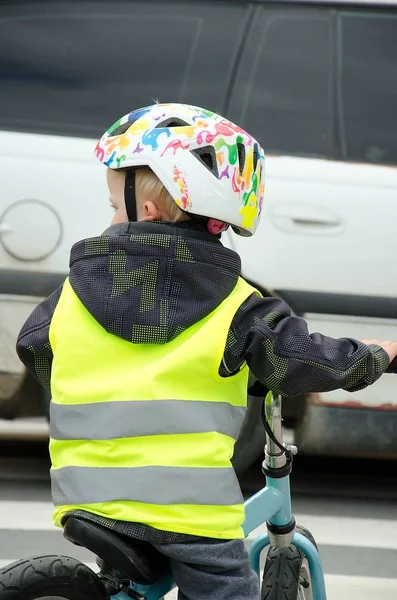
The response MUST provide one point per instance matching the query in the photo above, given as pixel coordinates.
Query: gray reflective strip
(112, 420)
(151, 485)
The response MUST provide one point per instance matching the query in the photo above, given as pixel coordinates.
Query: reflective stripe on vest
(112, 420)
(145, 432)
(152, 485)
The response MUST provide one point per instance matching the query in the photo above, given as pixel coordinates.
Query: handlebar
(276, 452)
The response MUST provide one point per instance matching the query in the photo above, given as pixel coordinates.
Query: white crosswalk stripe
(353, 588)
(363, 533)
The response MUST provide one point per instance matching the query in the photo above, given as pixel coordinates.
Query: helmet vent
(172, 122)
(241, 156)
(207, 156)
(121, 129)
(256, 155)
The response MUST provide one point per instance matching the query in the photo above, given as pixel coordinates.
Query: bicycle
(133, 569)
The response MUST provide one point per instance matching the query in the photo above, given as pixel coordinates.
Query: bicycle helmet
(213, 169)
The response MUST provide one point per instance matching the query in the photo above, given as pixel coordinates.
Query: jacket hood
(148, 282)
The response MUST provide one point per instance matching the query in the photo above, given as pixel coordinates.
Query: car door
(318, 86)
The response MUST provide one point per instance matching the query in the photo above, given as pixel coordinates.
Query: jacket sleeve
(33, 343)
(285, 358)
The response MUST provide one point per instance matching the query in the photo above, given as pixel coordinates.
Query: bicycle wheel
(52, 577)
(286, 575)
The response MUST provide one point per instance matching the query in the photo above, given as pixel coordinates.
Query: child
(146, 348)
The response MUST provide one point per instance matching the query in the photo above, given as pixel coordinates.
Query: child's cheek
(119, 217)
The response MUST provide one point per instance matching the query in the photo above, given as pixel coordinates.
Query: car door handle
(300, 217)
(315, 222)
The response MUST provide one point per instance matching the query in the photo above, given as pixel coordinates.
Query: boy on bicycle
(147, 347)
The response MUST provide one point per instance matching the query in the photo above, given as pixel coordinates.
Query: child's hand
(389, 347)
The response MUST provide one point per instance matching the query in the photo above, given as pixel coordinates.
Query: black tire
(282, 572)
(52, 575)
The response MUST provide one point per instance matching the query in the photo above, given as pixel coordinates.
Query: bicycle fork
(281, 525)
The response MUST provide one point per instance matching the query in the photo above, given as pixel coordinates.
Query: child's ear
(151, 212)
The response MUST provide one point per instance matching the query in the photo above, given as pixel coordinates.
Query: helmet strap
(129, 195)
(213, 226)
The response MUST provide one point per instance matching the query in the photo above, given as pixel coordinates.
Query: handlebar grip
(392, 368)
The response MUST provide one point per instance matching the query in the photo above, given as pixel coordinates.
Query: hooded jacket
(194, 274)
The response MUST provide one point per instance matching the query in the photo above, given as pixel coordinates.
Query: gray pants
(203, 568)
(206, 569)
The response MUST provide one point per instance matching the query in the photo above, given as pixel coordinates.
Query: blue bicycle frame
(270, 505)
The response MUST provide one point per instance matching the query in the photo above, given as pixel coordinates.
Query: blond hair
(149, 186)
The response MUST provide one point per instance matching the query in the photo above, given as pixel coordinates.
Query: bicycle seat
(136, 559)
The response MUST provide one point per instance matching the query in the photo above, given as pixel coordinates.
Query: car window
(73, 67)
(284, 91)
(367, 57)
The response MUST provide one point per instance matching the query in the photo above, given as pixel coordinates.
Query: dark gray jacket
(148, 282)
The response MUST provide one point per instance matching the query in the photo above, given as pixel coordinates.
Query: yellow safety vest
(144, 432)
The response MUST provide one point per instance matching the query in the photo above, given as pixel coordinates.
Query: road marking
(347, 587)
(30, 516)
(344, 587)
(332, 531)
(347, 531)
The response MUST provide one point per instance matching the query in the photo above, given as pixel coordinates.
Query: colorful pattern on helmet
(173, 150)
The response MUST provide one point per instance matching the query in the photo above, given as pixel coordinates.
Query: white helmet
(212, 168)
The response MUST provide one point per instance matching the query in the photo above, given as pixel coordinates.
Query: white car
(316, 82)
